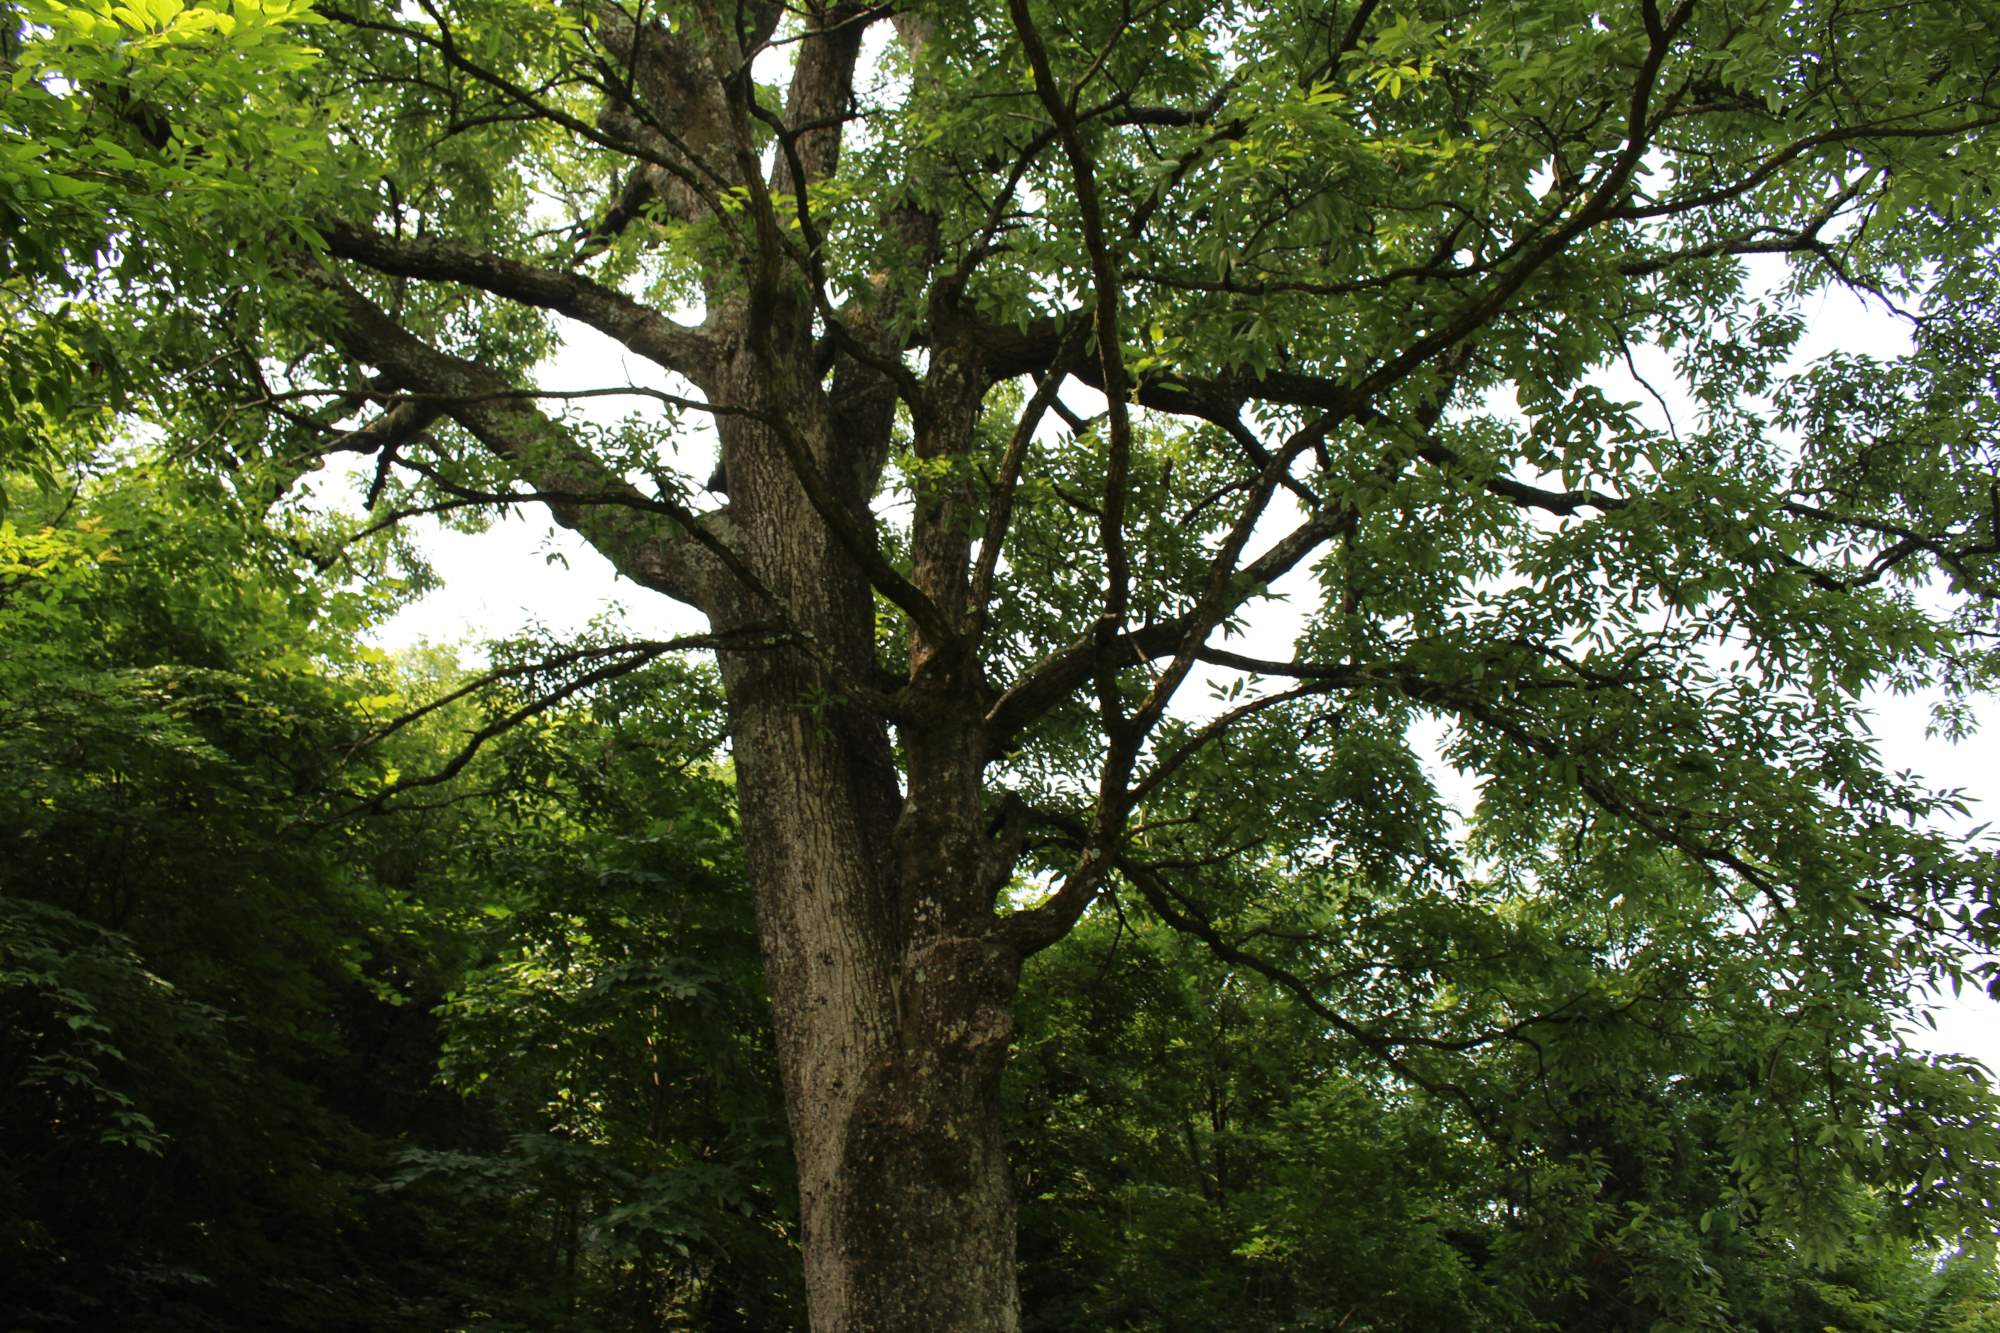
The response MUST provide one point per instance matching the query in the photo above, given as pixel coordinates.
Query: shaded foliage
(1202, 1153)
(268, 1065)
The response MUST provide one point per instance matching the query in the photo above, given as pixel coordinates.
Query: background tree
(226, 998)
(187, 985)
(1301, 258)
(613, 1018)
(1199, 1150)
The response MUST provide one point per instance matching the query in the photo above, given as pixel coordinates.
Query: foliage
(228, 1006)
(1201, 1153)
(143, 149)
(176, 951)
(615, 1018)
(1355, 305)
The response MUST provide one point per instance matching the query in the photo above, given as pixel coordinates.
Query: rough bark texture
(891, 1032)
(891, 998)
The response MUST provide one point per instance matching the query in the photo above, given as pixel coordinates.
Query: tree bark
(891, 978)
(891, 989)
(891, 1038)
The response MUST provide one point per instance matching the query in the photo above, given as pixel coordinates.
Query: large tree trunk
(891, 1037)
(890, 990)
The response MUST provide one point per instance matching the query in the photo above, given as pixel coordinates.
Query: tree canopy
(1003, 365)
(498, 1053)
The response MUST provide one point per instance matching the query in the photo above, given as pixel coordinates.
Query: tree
(265, 1063)
(614, 1021)
(187, 978)
(1041, 345)
(1197, 1150)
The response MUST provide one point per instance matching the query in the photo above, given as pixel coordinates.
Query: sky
(525, 570)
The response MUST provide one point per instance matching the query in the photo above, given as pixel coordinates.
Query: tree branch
(631, 657)
(685, 351)
(536, 447)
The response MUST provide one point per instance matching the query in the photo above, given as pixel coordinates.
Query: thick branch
(638, 544)
(646, 331)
